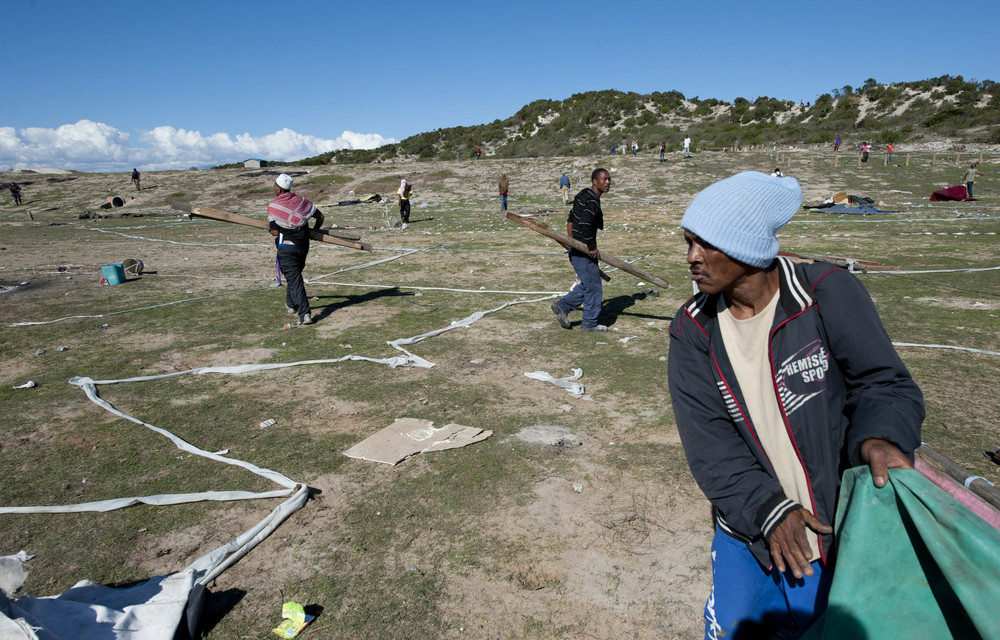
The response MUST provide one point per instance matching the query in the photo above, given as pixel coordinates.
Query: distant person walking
(687, 146)
(504, 186)
(635, 146)
(135, 179)
(15, 191)
(970, 177)
(288, 218)
(479, 153)
(564, 187)
(612, 152)
(624, 147)
(585, 218)
(864, 151)
(889, 148)
(836, 144)
(404, 192)
(663, 151)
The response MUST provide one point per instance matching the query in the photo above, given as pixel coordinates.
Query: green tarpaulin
(912, 563)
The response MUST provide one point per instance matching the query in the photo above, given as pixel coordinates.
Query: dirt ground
(598, 550)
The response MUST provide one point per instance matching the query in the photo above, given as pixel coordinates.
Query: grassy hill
(586, 123)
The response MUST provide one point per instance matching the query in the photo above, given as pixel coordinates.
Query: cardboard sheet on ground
(406, 437)
(912, 563)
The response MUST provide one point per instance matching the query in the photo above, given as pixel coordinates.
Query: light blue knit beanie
(741, 215)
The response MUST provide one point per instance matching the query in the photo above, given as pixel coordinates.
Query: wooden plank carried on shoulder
(321, 235)
(565, 240)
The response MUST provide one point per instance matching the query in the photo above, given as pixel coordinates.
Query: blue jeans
(503, 201)
(587, 292)
(661, 156)
(888, 158)
(968, 187)
(750, 602)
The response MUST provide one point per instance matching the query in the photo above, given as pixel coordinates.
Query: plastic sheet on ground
(407, 437)
(575, 388)
(912, 563)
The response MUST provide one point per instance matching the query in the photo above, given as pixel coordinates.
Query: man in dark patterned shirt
(584, 220)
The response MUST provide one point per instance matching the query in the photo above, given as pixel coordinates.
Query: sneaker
(291, 310)
(561, 316)
(308, 319)
(597, 328)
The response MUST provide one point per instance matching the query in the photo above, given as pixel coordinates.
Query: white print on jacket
(799, 379)
(802, 376)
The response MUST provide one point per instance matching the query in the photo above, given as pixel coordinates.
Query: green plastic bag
(912, 562)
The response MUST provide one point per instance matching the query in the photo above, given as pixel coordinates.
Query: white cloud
(95, 146)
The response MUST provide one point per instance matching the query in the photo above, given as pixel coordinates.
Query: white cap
(284, 181)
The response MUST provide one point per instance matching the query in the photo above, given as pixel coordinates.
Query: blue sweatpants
(749, 602)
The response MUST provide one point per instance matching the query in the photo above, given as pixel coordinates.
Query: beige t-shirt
(746, 344)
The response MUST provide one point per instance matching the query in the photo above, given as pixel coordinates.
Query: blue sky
(111, 85)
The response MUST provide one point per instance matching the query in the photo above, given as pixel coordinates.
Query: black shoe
(561, 316)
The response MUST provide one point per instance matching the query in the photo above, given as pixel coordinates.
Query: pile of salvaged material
(843, 202)
(958, 192)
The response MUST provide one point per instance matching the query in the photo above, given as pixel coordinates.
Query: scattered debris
(552, 435)
(30, 384)
(295, 620)
(266, 423)
(40, 352)
(575, 388)
(62, 349)
(406, 437)
(12, 288)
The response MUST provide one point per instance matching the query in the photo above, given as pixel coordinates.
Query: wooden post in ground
(980, 156)
(907, 159)
(836, 160)
(958, 158)
(885, 160)
(565, 240)
(934, 159)
(322, 235)
(859, 158)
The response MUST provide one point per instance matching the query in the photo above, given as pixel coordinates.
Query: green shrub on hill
(585, 123)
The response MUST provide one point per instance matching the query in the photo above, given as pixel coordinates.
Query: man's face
(712, 270)
(602, 183)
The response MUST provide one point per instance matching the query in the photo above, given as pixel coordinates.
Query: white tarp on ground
(406, 437)
(151, 610)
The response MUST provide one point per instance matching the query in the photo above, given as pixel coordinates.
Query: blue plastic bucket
(113, 273)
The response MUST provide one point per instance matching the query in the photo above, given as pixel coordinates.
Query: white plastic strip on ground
(367, 264)
(159, 500)
(115, 313)
(575, 388)
(416, 288)
(185, 244)
(904, 273)
(946, 346)
(464, 322)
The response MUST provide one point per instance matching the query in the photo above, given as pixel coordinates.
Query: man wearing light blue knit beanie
(778, 372)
